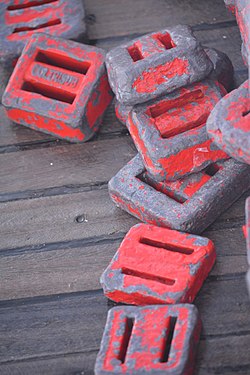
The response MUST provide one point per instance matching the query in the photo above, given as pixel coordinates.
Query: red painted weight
(156, 265)
(156, 64)
(20, 19)
(229, 123)
(59, 87)
(190, 204)
(149, 340)
(170, 132)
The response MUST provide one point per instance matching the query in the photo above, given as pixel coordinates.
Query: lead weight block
(59, 87)
(223, 72)
(158, 265)
(170, 132)
(150, 340)
(167, 204)
(229, 123)
(20, 19)
(155, 64)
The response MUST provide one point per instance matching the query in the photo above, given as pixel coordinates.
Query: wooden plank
(141, 16)
(25, 174)
(59, 325)
(212, 359)
(53, 219)
(77, 364)
(225, 355)
(78, 269)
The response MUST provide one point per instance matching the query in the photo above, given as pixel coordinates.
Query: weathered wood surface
(52, 310)
(67, 270)
(50, 327)
(110, 18)
(53, 219)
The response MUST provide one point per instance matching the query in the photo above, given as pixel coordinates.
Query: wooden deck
(52, 309)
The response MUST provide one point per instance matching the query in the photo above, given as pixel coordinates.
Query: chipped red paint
(153, 77)
(189, 205)
(235, 112)
(170, 134)
(229, 123)
(157, 265)
(59, 87)
(156, 64)
(97, 107)
(36, 122)
(19, 20)
(135, 340)
(192, 158)
(183, 188)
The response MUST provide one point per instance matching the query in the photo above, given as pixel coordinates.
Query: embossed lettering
(55, 76)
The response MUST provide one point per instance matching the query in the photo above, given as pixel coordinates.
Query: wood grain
(141, 16)
(57, 325)
(23, 174)
(52, 219)
(78, 269)
(212, 360)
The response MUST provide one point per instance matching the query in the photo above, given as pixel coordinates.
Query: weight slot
(30, 4)
(147, 276)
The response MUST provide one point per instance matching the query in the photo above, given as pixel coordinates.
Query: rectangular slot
(161, 187)
(146, 276)
(211, 170)
(49, 92)
(177, 116)
(30, 4)
(168, 340)
(166, 40)
(135, 53)
(164, 106)
(42, 26)
(167, 246)
(62, 61)
(129, 324)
